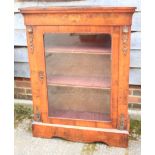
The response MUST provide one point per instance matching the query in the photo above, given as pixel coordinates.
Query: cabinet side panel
(124, 54)
(38, 76)
(33, 62)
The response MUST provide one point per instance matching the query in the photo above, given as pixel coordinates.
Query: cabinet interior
(78, 68)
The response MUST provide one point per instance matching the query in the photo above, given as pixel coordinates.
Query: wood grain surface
(115, 21)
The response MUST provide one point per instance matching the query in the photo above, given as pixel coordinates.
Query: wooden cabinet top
(78, 9)
(82, 15)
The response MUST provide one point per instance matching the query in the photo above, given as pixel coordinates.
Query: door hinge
(37, 117)
(41, 75)
(121, 122)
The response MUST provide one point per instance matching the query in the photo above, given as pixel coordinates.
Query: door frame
(38, 70)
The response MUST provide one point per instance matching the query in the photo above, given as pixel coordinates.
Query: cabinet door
(79, 79)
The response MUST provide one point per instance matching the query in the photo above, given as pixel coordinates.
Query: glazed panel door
(79, 82)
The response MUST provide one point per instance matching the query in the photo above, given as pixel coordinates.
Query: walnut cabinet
(79, 67)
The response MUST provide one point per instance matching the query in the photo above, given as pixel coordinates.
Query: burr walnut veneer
(79, 67)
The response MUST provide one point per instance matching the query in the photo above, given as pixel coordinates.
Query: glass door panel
(78, 68)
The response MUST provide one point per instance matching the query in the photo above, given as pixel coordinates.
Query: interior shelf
(86, 82)
(79, 115)
(81, 49)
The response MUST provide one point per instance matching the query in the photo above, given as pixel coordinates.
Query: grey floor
(25, 144)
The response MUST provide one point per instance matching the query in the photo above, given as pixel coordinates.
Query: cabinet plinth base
(111, 137)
